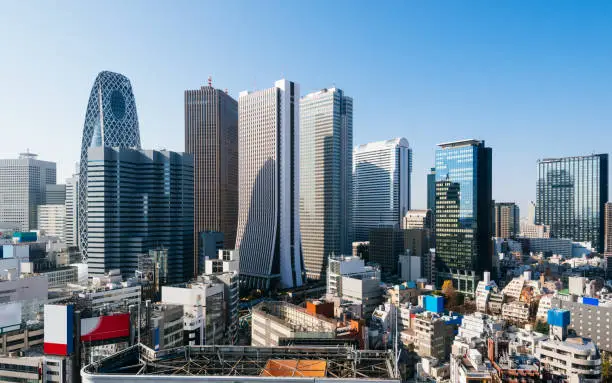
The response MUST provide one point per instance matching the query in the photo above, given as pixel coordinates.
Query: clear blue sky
(532, 78)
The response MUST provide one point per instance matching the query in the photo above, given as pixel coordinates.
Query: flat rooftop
(242, 363)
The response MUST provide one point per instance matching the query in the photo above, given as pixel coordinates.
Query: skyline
(513, 76)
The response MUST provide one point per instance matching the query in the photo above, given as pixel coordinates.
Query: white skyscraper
(326, 181)
(71, 228)
(22, 189)
(268, 233)
(381, 185)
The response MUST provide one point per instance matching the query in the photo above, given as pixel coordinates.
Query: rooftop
(248, 363)
(456, 144)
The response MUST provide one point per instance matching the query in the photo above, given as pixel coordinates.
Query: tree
(542, 327)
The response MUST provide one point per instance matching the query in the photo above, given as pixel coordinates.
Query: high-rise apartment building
(608, 228)
(507, 218)
(571, 193)
(326, 183)
(23, 183)
(211, 136)
(381, 185)
(463, 213)
(110, 121)
(139, 200)
(71, 223)
(268, 234)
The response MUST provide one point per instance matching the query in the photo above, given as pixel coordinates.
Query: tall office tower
(608, 228)
(381, 185)
(326, 182)
(23, 183)
(571, 193)
(55, 194)
(139, 200)
(211, 137)
(110, 121)
(463, 213)
(71, 226)
(507, 218)
(268, 234)
(431, 190)
(531, 213)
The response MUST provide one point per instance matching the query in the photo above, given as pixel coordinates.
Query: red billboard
(105, 327)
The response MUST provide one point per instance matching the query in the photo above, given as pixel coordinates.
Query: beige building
(418, 219)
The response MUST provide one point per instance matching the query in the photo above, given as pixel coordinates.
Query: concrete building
(463, 213)
(22, 188)
(274, 321)
(268, 234)
(225, 270)
(507, 218)
(52, 220)
(363, 290)
(410, 267)
(548, 246)
(340, 266)
(571, 194)
(434, 335)
(139, 200)
(71, 222)
(531, 230)
(203, 308)
(211, 137)
(516, 312)
(25, 338)
(418, 219)
(326, 183)
(166, 326)
(109, 296)
(381, 185)
(30, 288)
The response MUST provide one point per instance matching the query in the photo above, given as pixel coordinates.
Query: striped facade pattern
(139, 200)
(211, 137)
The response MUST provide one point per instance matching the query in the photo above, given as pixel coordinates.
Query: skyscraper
(268, 234)
(71, 226)
(381, 185)
(23, 184)
(571, 193)
(326, 183)
(52, 214)
(139, 200)
(211, 136)
(507, 218)
(463, 213)
(110, 121)
(608, 228)
(431, 190)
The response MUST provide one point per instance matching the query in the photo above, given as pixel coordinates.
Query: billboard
(10, 317)
(105, 327)
(59, 329)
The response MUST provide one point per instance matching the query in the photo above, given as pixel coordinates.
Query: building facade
(23, 184)
(571, 194)
(507, 218)
(386, 245)
(418, 219)
(110, 121)
(268, 234)
(463, 213)
(71, 222)
(326, 183)
(51, 220)
(139, 200)
(608, 228)
(211, 136)
(381, 185)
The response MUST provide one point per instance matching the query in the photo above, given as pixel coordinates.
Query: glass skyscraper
(139, 200)
(463, 213)
(326, 184)
(110, 121)
(571, 194)
(431, 190)
(211, 136)
(381, 185)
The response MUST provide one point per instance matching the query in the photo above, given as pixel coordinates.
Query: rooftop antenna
(210, 81)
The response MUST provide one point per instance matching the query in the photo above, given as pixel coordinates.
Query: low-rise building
(434, 335)
(516, 312)
(363, 290)
(166, 326)
(346, 266)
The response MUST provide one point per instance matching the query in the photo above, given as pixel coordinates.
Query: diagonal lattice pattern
(111, 120)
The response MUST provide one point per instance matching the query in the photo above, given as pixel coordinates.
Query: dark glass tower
(463, 213)
(211, 136)
(110, 121)
(571, 194)
(431, 190)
